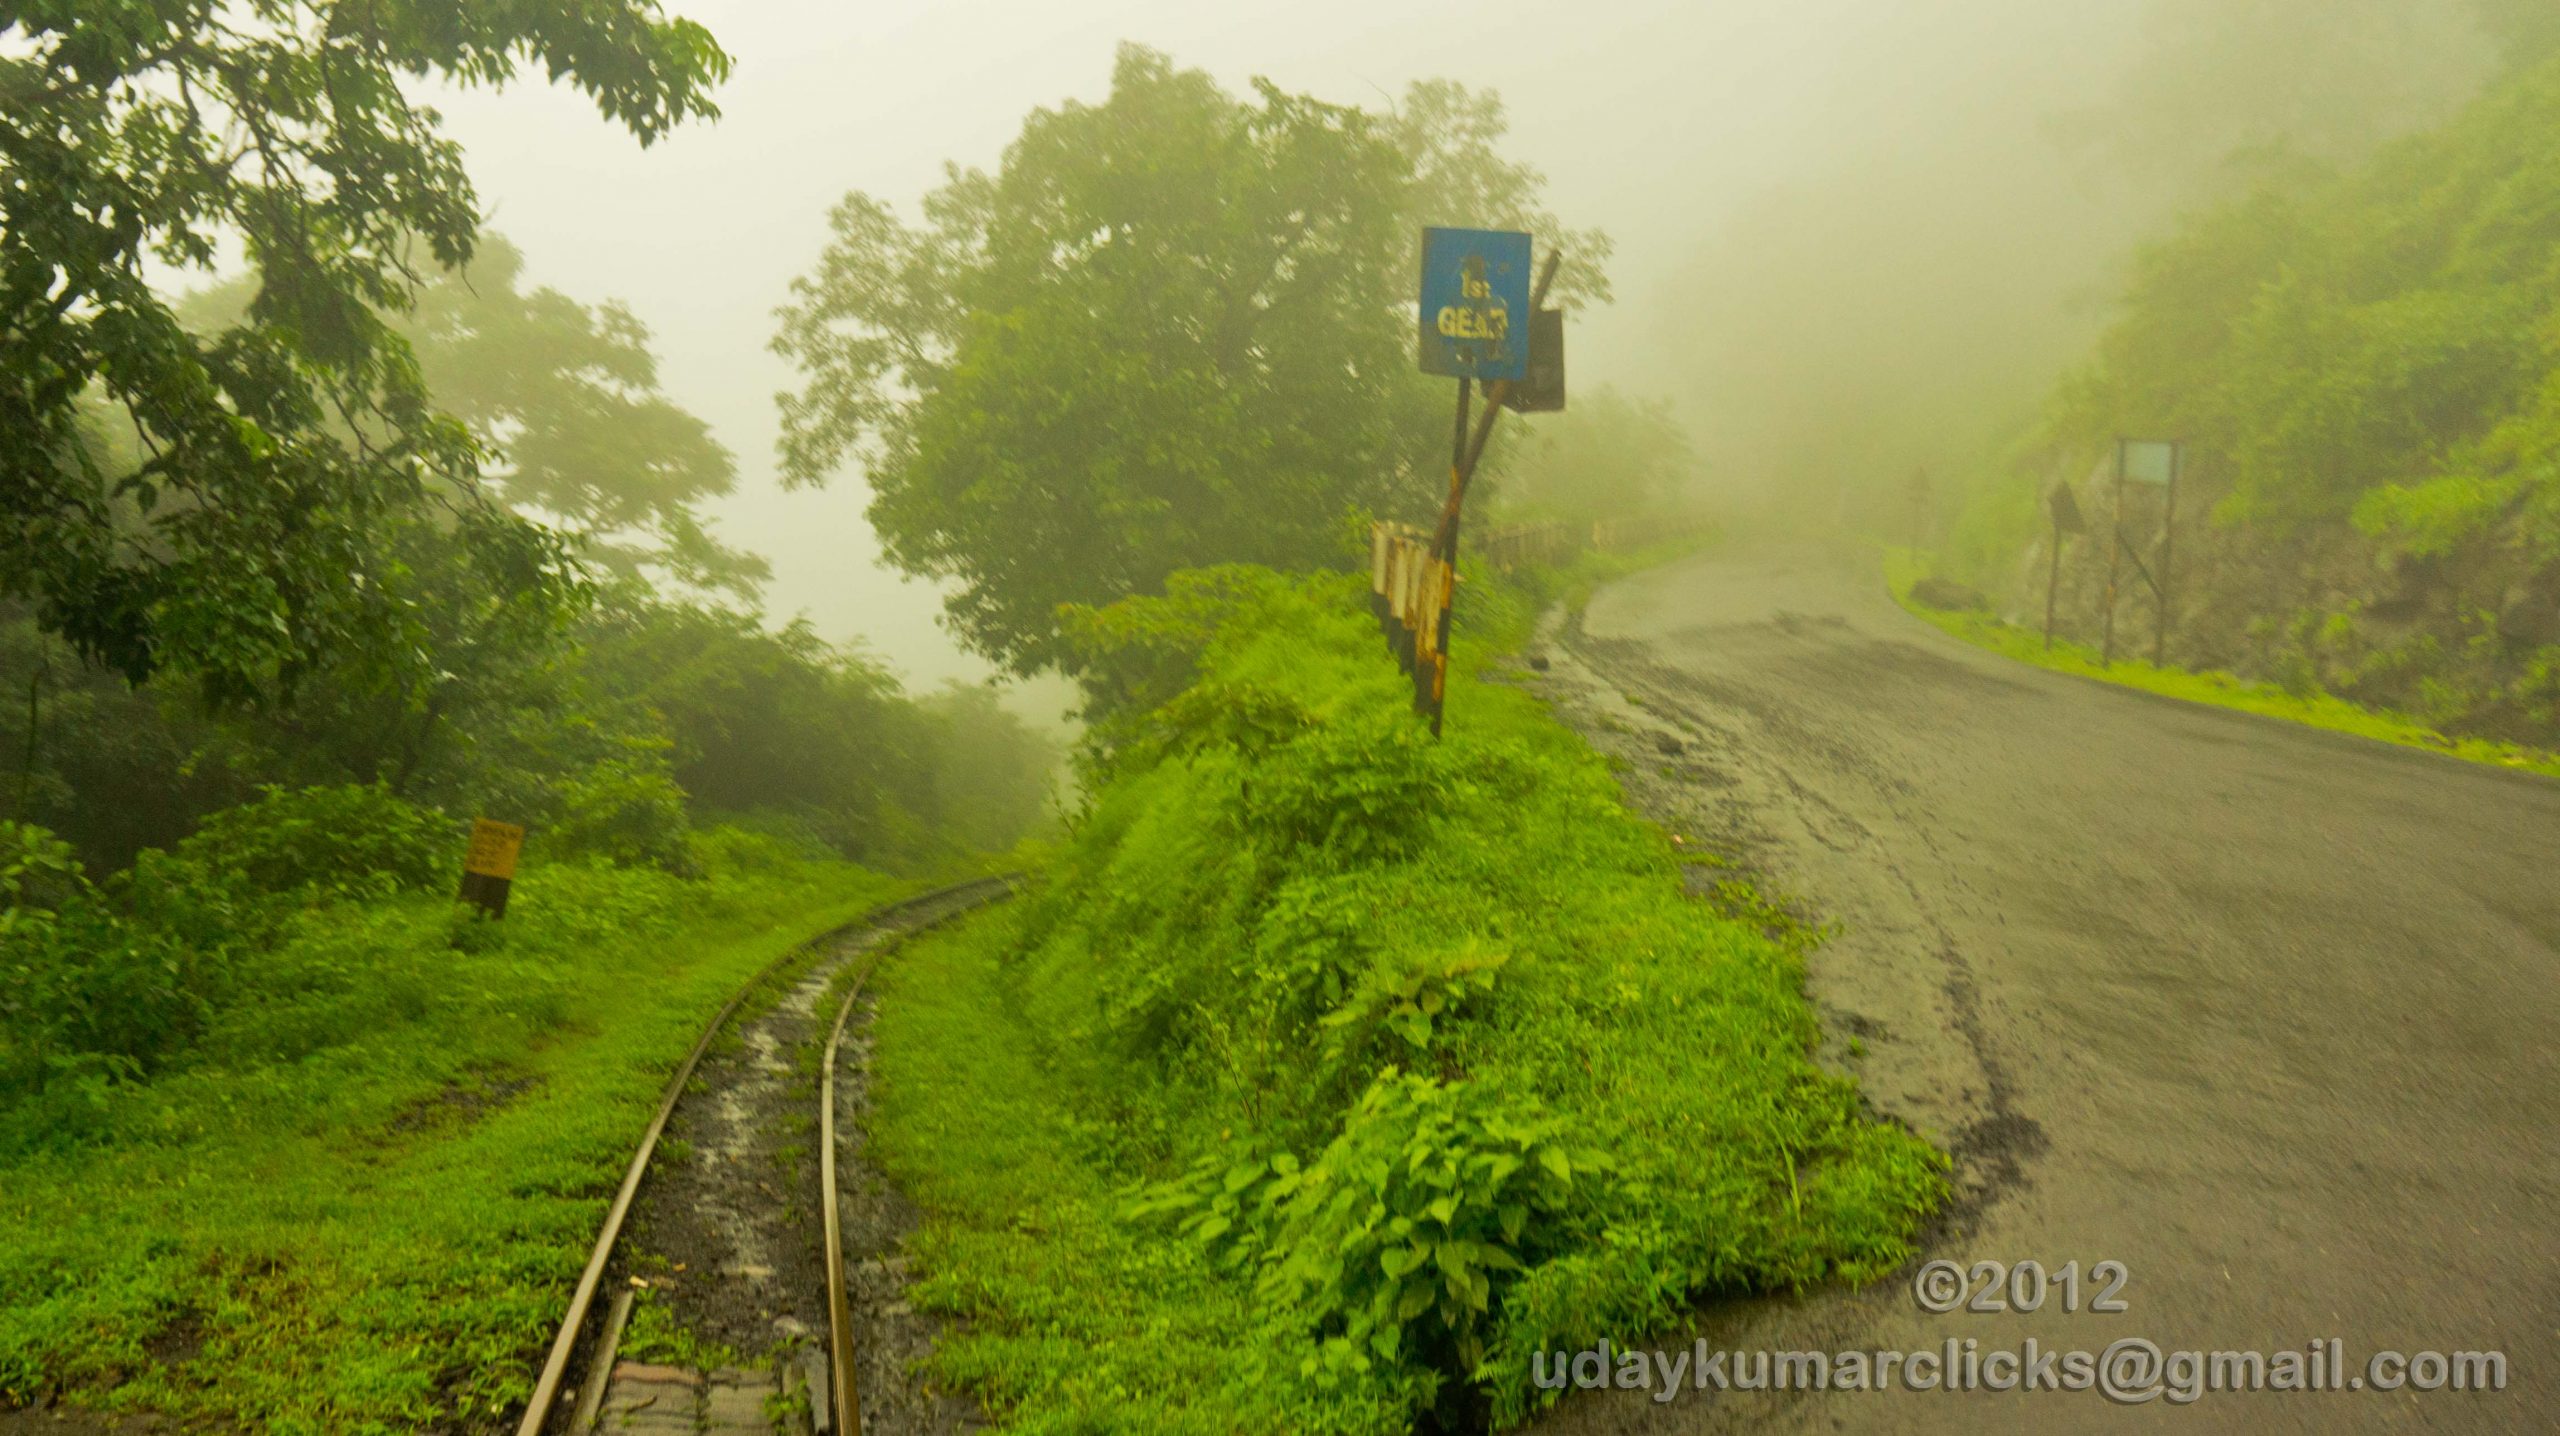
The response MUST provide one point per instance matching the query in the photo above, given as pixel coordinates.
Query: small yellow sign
(493, 849)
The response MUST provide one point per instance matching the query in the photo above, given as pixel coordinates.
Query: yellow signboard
(494, 847)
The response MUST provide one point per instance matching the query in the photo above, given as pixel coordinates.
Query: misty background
(1855, 238)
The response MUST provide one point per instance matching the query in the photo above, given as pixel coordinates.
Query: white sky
(1649, 119)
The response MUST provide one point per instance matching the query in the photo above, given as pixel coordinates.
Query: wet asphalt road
(2266, 1014)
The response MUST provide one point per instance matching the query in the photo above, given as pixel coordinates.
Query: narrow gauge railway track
(589, 1346)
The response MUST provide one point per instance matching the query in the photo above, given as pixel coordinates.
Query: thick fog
(1854, 237)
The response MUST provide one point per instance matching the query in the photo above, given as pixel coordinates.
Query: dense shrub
(626, 811)
(37, 869)
(346, 840)
(105, 984)
(1415, 1050)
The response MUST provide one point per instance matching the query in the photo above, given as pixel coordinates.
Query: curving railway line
(724, 1220)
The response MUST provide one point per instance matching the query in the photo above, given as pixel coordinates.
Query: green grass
(1305, 998)
(361, 1204)
(1903, 568)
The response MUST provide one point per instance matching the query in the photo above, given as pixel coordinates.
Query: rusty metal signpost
(2066, 520)
(2155, 462)
(1482, 322)
(489, 867)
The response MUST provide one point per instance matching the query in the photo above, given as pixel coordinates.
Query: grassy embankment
(1332, 1072)
(358, 1201)
(1903, 568)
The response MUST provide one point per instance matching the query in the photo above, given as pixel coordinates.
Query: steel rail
(555, 1367)
(842, 1391)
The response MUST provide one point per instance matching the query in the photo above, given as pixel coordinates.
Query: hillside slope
(2366, 370)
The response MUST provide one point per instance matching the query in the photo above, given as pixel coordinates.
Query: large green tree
(1172, 329)
(565, 398)
(255, 524)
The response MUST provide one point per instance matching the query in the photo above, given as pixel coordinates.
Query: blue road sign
(1475, 303)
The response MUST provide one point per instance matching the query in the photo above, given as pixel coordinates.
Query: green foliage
(1407, 1002)
(566, 400)
(2363, 365)
(109, 984)
(1418, 1049)
(992, 772)
(1435, 1196)
(608, 736)
(1170, 331)
(1135, 658)
(361, 1200)
(627, 811)
(823, 739)
(251, 531)
(37, 869)
(345, 841)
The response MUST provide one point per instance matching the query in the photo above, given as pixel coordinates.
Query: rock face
(2466, 639)
(1947, 595)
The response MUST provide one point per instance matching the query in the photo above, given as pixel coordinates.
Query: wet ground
(727, 1234)
(2263, 1013)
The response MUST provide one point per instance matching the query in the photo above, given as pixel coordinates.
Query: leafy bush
(1435, 1194)
(627, 811)
(37, 869)
(1356, 790)
(371, 1177)
(347, 840)
(110, 984)
(86, 997)
(1419, 1045)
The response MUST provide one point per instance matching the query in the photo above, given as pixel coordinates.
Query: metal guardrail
(1409, 589)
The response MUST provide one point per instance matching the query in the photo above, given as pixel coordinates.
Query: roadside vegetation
(1330, 1072)
(2311, 706)
(323, 1159)
(2364, 364)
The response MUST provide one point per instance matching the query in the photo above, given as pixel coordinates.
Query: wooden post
(1467, 453)
(2052, 581)
(2115, 561)
(2168, 551)
(1432, 686)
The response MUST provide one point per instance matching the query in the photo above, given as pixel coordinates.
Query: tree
(1607, 457)
(566, 400)
(992, 771)
(277, 464)
(1172, 330)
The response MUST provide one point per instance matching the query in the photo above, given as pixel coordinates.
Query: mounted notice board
(2150, 461)
(1475, 303)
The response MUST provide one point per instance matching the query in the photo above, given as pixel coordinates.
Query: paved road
(2266, 1014)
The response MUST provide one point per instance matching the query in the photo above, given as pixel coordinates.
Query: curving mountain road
(2264, 1013)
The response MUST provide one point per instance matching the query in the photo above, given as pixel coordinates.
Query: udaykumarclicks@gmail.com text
(2130, 1371)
